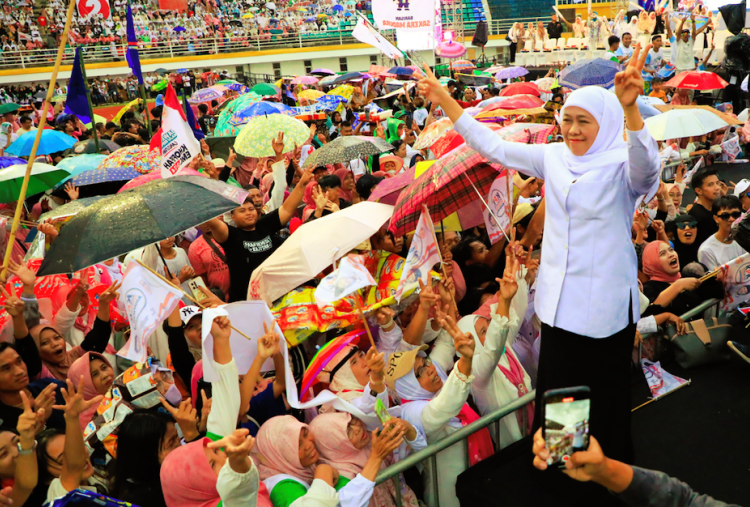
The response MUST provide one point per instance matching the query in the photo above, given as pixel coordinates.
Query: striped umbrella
(527, 133)
(590, 72)
(463, 65)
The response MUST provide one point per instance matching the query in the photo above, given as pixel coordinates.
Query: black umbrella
(472, 80)
(348, 77)
(88, 146)
(71, 208)
(138, 217)
(346, 148)
(235, 22)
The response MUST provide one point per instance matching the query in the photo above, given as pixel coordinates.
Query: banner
(89, 8)
(689, 175)
(497, 200)
(412, 15)
(131, 55)
(178, 143)
(736, 275)
(659, 381)
(423, 254)
(147, 301)
(365, 32)
(77, 101)
(730, 149)
(350, 276)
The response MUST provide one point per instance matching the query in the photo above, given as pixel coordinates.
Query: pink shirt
(205, 262)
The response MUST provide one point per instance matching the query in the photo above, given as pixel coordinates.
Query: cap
(188, 312)
(401, 363)
(521, 211)
(741, 187)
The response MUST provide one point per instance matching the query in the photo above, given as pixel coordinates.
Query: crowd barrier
(707, 309)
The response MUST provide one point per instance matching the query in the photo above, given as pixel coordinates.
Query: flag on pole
(498, 202)
(659, 381)
(178, 143)
(350, 276)
(365, 32)
(197, 132)
(131, 56)
(736, 276)
(423, 255)
(77, 102)
(147, 301)
(689, 175)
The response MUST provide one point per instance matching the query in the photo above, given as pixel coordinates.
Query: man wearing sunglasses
(720, 248)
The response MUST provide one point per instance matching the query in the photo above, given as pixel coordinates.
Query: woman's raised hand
(629, 82)
(430, 88)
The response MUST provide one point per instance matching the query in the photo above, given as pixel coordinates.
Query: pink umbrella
(154, 175)
(450, 49)
(305, 80)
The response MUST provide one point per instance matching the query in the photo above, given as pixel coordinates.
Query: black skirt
(603, 364)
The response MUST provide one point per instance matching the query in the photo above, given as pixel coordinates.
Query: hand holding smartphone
(566, 422)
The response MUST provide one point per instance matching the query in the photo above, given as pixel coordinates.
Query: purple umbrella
(9, 161)
(323, 72)
(179, 29)
(511, 72)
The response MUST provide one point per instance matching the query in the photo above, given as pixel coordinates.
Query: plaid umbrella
(343, 149)
(590, 72)
(520, 89)
(511, 72)
(254, 140)
(446, 187)
(136, 157)
(452, 140)
(432, 133)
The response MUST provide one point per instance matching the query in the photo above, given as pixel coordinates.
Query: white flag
(178, 143)
(730, 149)
(736, 275)
(423, 255)
(659, 381)
(365, 32)
(147, 301)
(689, 175)
(498, 201)
(350, 276)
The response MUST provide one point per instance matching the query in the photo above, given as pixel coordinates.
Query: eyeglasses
(687, 225)
(422, 370)
(726, 216)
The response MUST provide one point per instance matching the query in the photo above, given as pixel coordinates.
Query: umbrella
(223, 127)
(346, 148)
(142, 179)
(310, 94)
(179, 29)
(52, 141)
(511, 72)
(400, 71)
(9, 161)
(257, 109)
(450, 49)
(265, 89)
(743, 116)
(235, 22)
(136, 157)
(59, 97)
(79, 164)
(97, 119)
(161, 85)
(162, 71)
(646, 105)
(254, 140)
(323, 72)
(679, 123)
(520, 89)
(328, 80)
(136, 218)
(432, 133)
(388, 190)
(546, 84)
(473, 80)
(337, 8)
(590, 72)
(205, 95)
(444, 188)
(305, 80)
(314, 246)
(71, 208)
(697, 80)
(512, 102)
(346, 91)
(89, 147)
(463, 65)
(9, 107)
(227, 82)
(43, 177)
(236, 87)
(40, 95)
(125, 109)
(527, 133)
(452, 140)
(101, 181)
(349, 76)
(324, 356)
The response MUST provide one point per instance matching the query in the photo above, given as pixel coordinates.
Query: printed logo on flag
(423, 255)
(89, 8)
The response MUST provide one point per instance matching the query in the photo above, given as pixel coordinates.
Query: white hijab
(610, 147)
(344, 380)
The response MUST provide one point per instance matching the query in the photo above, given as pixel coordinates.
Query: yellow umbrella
(345, 91)
(97, 119)
(310, 94)
(248, 15)
(125, 109)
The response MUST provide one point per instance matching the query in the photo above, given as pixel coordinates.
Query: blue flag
(190, 117)
(132, 55)
(77, 103)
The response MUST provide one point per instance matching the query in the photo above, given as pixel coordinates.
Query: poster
(411, 15)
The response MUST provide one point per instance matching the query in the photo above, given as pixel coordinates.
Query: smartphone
(408, 122)
(367, 115)
(194, 283)
(566, 422)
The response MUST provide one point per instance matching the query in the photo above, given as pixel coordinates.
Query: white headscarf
(609, 148)
(344, 380)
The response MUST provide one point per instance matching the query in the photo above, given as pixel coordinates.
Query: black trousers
(603, 364)
(513, 47)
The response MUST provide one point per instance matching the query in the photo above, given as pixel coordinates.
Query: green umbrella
(344, 149)
(72, 208)
(223, 127)
(138, 217)
(265, 89)
(43, 177)
(9, 107)
(227, 82)
(161, 85)
(255, 138)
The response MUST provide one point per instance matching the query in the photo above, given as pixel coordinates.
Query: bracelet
(387, 324)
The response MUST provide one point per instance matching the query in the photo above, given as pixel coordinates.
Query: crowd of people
(527, 311)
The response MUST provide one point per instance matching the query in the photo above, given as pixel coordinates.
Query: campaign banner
(89, 8)
(350, 276)
(497, 200)
(423, 255)
(178, 143)
(659, 380)
(411, 15)
(736, 276)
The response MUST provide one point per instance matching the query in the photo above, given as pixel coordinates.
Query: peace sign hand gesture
(29, 423)
(629, 82)
(75, 405)
(430, 88)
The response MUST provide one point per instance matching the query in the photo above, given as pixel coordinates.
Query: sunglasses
(733, 215)
(687, 225)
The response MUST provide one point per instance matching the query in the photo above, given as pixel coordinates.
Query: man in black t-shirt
(252, 242)
(705, 183)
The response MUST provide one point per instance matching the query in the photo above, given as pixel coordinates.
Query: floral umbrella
(310, 94)
(136, 157)
(305, 80)
(254, 140)
(205, 95)
(432, 133)
(242, 116)
(223, 127)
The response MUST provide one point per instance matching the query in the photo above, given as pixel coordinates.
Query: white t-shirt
(683, 54)
(420, 116)
(713, 253)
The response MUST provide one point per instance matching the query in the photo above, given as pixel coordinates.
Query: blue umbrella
(337, 8)
(589, 72)
(52, 141)
(330, 102)
(401, 71)
(511, 72)
(350, 76)
(310, 19)
(237, 87)
(347, 14)
(101, 181)
(80, 164)
(182, 71)
(179, 29)
(243, 116)
(9, 161)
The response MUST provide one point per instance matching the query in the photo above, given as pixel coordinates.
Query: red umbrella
(520, 89)
(446, 187)
(697, 80)
(452, 140)
(523, 101)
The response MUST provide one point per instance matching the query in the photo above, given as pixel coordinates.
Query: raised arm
(268, 346)
(225, 408)
(289, 208)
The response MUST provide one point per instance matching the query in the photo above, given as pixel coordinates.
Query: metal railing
(430, 452)
(702, 309)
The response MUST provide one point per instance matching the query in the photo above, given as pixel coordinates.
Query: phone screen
(566, 422)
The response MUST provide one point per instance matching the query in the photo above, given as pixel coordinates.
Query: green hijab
(391, 131)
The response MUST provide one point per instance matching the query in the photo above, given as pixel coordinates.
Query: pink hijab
(309, 201)
(341, 173)
(81, 366)
(652, 267)
(334, 445)
(187, 479)
(277, 449)
(265, 186)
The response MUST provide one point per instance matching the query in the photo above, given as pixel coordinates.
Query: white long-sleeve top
(238, 490)
(588, 274)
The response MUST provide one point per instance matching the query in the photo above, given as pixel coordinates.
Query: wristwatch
(26, 452)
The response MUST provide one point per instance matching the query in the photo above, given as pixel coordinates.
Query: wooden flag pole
(440, 254)
(37, 139)
(367, 326)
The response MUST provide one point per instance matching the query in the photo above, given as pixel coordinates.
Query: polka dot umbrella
(254, 140)
(135, 157)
